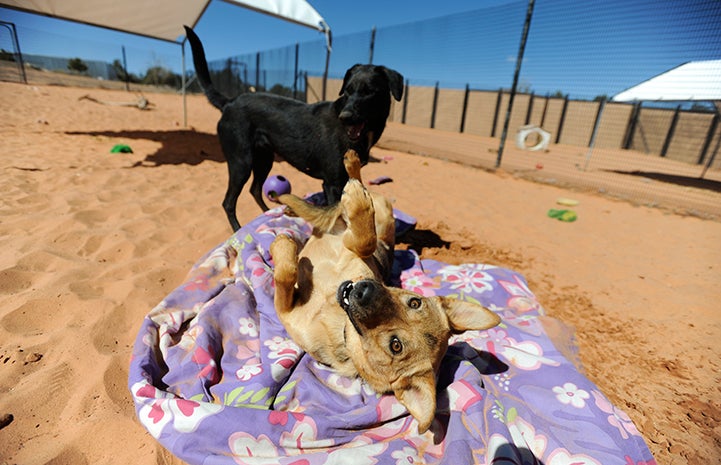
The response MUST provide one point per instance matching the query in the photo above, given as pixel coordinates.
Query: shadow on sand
(687, 181)
(178, 147)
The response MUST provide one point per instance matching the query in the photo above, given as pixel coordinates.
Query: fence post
(295, 73)
(545, 110)
(465, 109)
(519, 60)
(257, 71)
(671, 131)
(628, 140)
(435, 106)
(562, 120)
(597, 122)
(530, 109)
(709, 138)
(373, 45)
(405, 102)
(495, 113)
(125, 68)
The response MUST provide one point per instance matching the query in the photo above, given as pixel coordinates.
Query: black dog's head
(364, 101)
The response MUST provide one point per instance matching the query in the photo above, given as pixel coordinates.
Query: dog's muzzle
(354, 129)
(354, 299)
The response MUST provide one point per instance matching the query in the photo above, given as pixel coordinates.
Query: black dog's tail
(201, 69)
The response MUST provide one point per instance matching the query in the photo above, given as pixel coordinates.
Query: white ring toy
(525, 131)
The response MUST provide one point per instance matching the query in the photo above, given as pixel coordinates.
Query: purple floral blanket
(216, 380)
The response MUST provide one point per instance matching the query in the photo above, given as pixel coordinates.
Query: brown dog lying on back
(332, 301)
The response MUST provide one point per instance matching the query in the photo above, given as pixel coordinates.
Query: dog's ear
(418, 395)
(464, 316)
(395, 82)
(347, 76)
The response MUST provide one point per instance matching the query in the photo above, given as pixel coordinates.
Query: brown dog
(332, 301)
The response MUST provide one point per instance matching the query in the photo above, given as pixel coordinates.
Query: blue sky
(580, 48)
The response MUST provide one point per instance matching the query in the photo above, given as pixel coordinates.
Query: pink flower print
(462, 395)
(159, 408)
(200, 283)
(467, 278)
(617, 417)
(303, 436)
(417, 281)
(524, 434)
(248, 327)
(261, 275)
(570, 394)
(284, 353)
(563, 457)
(492, 340)
(630, 461)
(206, 359)
(521, 298)
(248, 449)
(406, 456)
(249, 370)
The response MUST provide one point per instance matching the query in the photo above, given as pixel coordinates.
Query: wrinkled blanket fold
(216, 379)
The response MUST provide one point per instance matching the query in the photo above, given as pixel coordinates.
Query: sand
(91, 240)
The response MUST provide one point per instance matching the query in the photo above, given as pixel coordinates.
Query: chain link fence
(459, 73)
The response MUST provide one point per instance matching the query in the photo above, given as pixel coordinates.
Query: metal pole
(295, 73)
(373, 45)
(718, 142)
(601, 107)
(465, 108)
(257, 72)
(185, 102)
(125, 67)
(329, 45)
(435, 106)
(519, 60)
(16, 45)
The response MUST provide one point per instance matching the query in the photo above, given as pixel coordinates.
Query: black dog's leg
(262, 163)
(238, 175)
(332, 193)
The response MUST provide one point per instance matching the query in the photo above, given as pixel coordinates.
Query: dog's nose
(345, 115)
(363, 292)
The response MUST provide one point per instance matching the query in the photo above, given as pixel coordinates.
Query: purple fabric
(216, 380)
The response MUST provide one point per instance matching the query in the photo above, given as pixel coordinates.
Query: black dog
(254, 128)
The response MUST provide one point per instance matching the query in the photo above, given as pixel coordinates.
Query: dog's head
(397, 338)
(365, 97)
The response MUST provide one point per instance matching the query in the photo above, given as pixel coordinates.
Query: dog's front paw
(356, 200)
(284, 251)
(352, 164)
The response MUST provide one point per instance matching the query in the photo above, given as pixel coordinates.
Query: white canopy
(161, 19)
(695, 80)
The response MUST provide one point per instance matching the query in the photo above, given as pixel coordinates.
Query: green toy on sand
(562, 215)
(121, 148)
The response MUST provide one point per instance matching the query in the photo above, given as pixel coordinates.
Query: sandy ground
(90, 241)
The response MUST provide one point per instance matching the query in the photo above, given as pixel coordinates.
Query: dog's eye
(396, 345)
(414, 303)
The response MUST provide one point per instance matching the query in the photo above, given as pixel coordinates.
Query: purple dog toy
(275, 186)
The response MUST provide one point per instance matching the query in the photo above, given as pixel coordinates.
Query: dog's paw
(356, 199)
(352, 164)
(284, 251)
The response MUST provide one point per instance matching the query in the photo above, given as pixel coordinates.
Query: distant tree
(281, 90)
(6, 56)
(558, 94)
(161, 76)
(122, 74)
(599, 98)
(77, 65)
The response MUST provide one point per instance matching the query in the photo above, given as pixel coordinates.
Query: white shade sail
(161, 19)
(695, 80)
